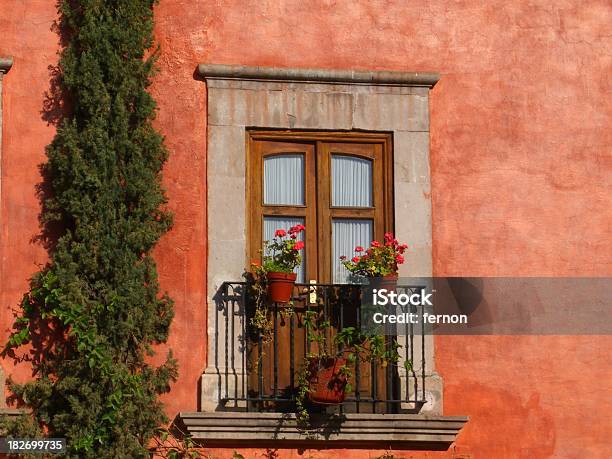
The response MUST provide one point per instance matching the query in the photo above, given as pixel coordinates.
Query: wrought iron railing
(258, 368)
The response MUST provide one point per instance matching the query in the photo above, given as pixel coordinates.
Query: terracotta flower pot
(388, 282)
(326, 383)
(280, 286)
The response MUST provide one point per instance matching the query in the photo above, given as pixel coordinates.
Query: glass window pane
(271, 224)
(351, 181)
(346, 235)
(284, 179)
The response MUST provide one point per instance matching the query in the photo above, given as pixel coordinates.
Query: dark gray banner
(489, 306)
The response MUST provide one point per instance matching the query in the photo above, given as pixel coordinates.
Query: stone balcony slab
(397, 431)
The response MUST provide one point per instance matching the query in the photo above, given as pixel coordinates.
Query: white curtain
(284, 179)
(346, 235)
(351, 181)
(271, 224)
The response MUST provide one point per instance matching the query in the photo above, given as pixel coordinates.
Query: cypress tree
(94, 312)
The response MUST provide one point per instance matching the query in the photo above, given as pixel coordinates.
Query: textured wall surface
(521, 177)
(26, 33)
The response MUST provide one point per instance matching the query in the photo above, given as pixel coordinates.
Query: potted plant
(326, 377)
(378, 263)
(281, 257)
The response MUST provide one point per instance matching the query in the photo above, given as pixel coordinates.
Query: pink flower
(375, 244)
(280, 233)
(294, 236)
(342, 257)
(399, 259)
(358, 249)
(298, 245)
(389, 236)
(355, 259)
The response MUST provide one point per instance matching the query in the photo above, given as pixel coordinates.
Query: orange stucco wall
(520, 163)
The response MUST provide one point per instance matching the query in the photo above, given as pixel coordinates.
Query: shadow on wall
(55, 105)
(503, 416)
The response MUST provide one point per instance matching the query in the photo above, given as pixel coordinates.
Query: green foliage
(303, 388)
(174, 444)
(257, 284)
(94, 313)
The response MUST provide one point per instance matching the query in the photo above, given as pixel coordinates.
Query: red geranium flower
(296, 229)
(342, 257)
(379, 259)
(282, 254)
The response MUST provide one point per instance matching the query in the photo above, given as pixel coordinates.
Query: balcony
(262, 348)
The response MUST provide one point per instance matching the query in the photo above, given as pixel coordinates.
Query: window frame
(382, 213)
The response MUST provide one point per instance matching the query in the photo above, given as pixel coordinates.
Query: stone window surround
(239, 98)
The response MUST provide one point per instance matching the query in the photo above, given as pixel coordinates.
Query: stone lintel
(369, 77)
(5, 64)
(399, 431)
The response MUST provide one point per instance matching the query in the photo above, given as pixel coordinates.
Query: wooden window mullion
(317, 210)
(323, 211)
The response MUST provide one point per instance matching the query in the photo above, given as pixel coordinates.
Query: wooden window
(338, 185)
